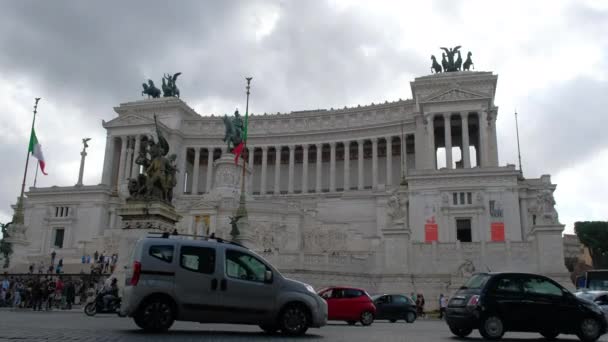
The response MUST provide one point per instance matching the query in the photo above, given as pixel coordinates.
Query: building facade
(398, 196)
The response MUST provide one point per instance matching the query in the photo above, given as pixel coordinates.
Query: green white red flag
(238, 150)
(36, 150)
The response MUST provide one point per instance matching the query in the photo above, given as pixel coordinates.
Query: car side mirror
(268, 276)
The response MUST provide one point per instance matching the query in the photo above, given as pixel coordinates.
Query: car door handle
(213, 284)
(223, 285)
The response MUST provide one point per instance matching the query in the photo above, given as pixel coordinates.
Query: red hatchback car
(349, 304)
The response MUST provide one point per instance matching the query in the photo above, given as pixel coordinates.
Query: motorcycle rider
(110, 294)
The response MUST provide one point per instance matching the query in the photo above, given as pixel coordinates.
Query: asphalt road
(75, 326)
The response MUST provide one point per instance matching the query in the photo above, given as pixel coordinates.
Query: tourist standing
(420, 305)
(37, 296)
(53, 255)
(17, 291)
(95, 257)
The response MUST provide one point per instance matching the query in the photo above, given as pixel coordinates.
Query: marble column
(128, 160)
(374, 163)
(466, 152)
(389, 161)
(182, 162)
(264, 165)
(447, 133)
(403, 166)
(346, 165)
(209, 182)
(135, 167)
(304, 169)
(318, 187)
(332, 167)
(360, 164)
(431, 135)
(195, 170)
(277, 170)
(291, 166)
(108, 161)
(483, 139)
(250, 155)
(123, 157)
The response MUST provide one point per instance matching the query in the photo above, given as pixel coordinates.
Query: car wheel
(461, 332)
(155, 315)
(351, 322)
(549, 334)
(589, 330)
(294, 320)
(367, 318)
(392, 320)
(492, 328)
(410, 317)
(269, 329)
(90, 309)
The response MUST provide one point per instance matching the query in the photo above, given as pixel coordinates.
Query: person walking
(420, 305)
(17, 291)
(443, 305)
(70, 294)
(53, 255)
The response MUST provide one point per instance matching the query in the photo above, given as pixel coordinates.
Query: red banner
(431, 232)
(498, 231)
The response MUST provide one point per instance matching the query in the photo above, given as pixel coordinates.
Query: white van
(214, 281)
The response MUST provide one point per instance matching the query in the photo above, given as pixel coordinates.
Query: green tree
(594, 235)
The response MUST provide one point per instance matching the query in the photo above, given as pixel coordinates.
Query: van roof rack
(166, 235)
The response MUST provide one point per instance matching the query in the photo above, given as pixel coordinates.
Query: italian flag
(238, 150)
(36, 150)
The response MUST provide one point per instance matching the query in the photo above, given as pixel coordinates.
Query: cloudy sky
(83, 58)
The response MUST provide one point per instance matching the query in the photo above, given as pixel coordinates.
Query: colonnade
(319, 154)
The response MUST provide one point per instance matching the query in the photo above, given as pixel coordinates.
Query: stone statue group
(448, 64)
(159, 176)
(168, 86)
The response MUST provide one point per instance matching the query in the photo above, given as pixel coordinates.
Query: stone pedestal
(396, 247)
(549, 246)
(227, 179)
(139, 218)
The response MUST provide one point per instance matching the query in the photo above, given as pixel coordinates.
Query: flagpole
(35, 177)
(242, 209)
(18, 217)
(518, 150)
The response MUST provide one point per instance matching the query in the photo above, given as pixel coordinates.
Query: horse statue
(169, 88)
(458, 63)
(435, 66)
(468, 63)
(150, 90)
(450, 53)
(444, 62)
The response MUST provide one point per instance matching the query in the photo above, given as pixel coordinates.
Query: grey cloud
(564, 125)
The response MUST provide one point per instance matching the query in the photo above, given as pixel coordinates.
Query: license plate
(457, 302)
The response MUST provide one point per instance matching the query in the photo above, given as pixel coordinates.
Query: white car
(214, 281)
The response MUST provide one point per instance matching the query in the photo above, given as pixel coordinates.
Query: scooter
(97, 306)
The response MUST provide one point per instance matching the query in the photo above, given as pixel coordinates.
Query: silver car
(214, 281)
(598, 297)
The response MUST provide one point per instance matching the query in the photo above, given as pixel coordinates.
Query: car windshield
(476, 282)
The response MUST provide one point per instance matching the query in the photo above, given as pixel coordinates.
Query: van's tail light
(473, 301)
(136, 273)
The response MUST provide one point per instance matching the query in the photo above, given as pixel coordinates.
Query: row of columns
(127, 158)
(291, 170)
(466, 158)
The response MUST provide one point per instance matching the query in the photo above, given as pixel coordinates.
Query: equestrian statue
(169, 87)
(234, 127)
(150, 90)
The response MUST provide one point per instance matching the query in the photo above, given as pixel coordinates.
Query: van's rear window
(477, 281)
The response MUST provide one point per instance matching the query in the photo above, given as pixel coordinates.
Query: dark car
(395, 307)
(498, 302)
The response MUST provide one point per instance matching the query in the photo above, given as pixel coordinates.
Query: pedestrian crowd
(46, 292)
(101, 263)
